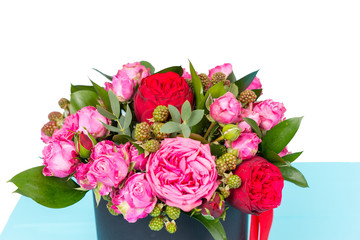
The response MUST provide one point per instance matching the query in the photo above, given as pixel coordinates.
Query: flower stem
(218, 139)
(212, 125)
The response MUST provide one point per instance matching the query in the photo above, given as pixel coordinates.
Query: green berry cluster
(161, 113)
(247, 96)
(142, 131)
(205, 81)
(218, 77)
(226, 162)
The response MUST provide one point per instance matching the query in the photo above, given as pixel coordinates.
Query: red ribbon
(262, 222)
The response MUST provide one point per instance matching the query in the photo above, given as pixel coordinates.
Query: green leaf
(170, 127)
(257, 92)
(213, 226)
(234, 89)
(120, 138)
(275, 159)
(175, 114)
(215, 91)
(186, 111)
(112, 128)
(75, 88)
(195, 117)
(292, 157)
(217, 150)
(148, 65)
(293, 175)
(50, 192)
(176, 69)
(198, 88)
(115, 104)
(82, 98)
(208, 102)
(254, 126)
(105, 113)
(231, 77)
(121, 125)
(97, 194)
(128, 117)
(185, 129)
(280, 135)
(105, 75)
(244, 82)
(103, 94)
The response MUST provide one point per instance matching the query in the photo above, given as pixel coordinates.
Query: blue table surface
(329, 209)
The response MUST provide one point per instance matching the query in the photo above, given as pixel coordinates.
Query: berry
(247, 96)
(152, 145)
(189, 82)
(225, 192)
(221, 165)
(142, 131)
(156, 223)
(230, 160)
(171, 226)
(204, 80)
(173, 212)
(155, 212)
(63, 103)
(234, 181)
(54, 116)
(49, 128)
(217, 77)
(161, 113)
(155, 127)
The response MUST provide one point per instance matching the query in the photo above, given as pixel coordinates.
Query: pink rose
(109, 168)
(255, 84)
(186, 75)
(136, 200)
(59, 158)
(122, 85)
(226, 68)
(68, 129)
(284, 152)
(226, 109)
(136, 71)
(270, 113)
(131, 154)
(45, 138)
(182, 172)
(244, 126)
(81, 176)
(247, 145)
(90, 119)
(105, 147)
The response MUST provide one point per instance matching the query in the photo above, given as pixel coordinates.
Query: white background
(308, 53)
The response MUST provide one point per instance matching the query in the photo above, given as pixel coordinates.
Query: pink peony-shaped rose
(122, 85)
(244, 126)
(226, 68)
(261, 187)
(45, 138)
(270, 113)
(255, 84)
(68, 129)
(81, 176)
(90, 120)
(247, 145)
(136, 71)
(109, 168)
(59, 158)
(226, 109)
(182, 172)
(136, 199)
(131, 154)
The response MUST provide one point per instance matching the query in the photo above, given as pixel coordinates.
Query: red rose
(160, 89)
(261, 186)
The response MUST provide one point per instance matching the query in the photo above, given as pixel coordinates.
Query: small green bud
(231, 132)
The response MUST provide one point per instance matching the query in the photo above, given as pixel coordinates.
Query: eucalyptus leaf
(175, 114)
(278, 137)
(50, 192)
(198, 88)
(170, 127)
(292, 157)
(82, 98)
(148, 65)
(103, 94)
(254, 126)
(105, 75)
(115, 104)
(293, 175)
(112, 128)
(245, 81)
(195, 117)
(176, 69)
(186, 111)
(105, 113)
(128, 117)
(185, 129)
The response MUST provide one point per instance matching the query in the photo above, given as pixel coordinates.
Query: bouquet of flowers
(168, 142)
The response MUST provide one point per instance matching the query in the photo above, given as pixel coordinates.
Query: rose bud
(226, 109)
(213, 208)
(231, 132)
(122, 85)
(261, 187)
(247, 145)
(84, 144)
(136, 71)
